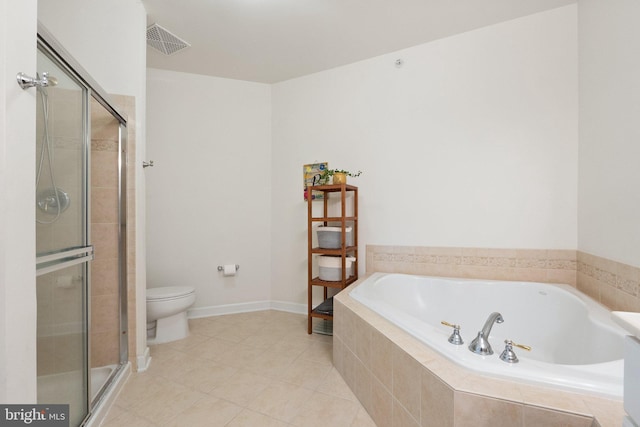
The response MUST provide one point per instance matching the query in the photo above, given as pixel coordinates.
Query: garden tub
(574, 343)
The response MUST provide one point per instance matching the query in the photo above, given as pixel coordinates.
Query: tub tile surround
(613, 284)
(406, 383)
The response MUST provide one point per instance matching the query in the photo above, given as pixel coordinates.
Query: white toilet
(167, 313)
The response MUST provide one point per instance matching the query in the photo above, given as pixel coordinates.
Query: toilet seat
(167, 293)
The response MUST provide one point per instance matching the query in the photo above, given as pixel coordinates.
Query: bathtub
(575, 345)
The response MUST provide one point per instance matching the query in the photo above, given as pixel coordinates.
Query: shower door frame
(48, 44)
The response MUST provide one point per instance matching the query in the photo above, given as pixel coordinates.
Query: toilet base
(170, 328)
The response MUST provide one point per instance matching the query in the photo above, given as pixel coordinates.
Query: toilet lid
(169, 292)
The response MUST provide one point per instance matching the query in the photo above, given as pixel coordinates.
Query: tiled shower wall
(105, 325)
(613, 284)
(128, 106)
(105, 292)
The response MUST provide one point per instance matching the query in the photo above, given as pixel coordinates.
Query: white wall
(108, 39)
(473, 142)
(609, 200)
(208, 195)
(17, 214)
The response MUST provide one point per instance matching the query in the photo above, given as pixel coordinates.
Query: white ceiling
(274, 40)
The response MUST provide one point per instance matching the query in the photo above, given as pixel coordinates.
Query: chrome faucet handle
(455, 337)
(508, 355)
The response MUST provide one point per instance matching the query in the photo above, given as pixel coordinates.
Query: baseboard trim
(144, 361)
(289, 307)
(246, 307)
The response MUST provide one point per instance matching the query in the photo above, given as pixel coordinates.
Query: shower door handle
(53, 262)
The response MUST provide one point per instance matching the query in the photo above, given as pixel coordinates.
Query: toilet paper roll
(229, 270)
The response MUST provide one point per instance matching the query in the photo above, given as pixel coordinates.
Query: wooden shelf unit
(344, 251)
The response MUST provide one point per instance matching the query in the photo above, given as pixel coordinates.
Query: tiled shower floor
(257, 369)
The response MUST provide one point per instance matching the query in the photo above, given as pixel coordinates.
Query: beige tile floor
(250, 369)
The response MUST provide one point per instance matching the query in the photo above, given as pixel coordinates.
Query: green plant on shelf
(338, 175)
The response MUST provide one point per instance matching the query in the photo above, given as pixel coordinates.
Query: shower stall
(81, 251)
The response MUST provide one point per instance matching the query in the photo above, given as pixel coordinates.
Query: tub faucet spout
(480, 345)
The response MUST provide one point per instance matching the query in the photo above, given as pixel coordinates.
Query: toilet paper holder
(221, 267)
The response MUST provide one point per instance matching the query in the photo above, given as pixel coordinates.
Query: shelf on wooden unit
(333, 251)
(316, 281)
(333, 219)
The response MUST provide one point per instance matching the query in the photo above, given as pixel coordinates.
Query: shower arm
(26, 81)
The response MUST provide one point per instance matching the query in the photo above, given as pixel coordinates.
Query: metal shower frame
(48, 44)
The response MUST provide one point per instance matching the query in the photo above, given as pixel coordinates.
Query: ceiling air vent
(164, 41)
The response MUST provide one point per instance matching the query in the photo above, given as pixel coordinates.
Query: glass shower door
(62, 240)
